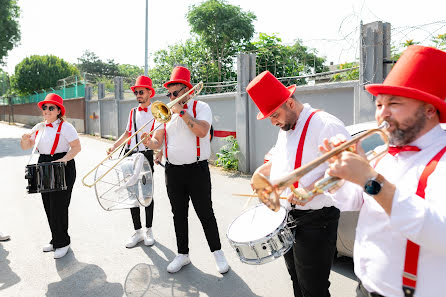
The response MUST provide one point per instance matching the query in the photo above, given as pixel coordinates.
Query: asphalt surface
(98, 264)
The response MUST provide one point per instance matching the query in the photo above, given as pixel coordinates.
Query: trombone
(161, 112)
(269, 193)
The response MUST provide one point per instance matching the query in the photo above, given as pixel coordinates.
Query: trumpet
(269, 193)
(161, 112)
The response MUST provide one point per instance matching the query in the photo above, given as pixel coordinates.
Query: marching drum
(127, 185)
(45, 177)
(260, 235)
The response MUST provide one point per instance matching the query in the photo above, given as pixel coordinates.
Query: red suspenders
(56, 140)
(194, 108)
(413, 249)
(300, 147)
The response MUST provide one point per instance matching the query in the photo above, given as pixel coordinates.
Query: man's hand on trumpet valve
(353, 167)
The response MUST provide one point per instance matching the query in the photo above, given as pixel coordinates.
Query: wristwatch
(373, 186)
(182, 113)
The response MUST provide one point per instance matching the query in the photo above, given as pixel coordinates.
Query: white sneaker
(137, 237)
(48, 248)
(4, 237)
(148, 237)
(177, 263)
(220, 260)
(60, 252)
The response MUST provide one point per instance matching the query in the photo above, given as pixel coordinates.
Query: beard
(407, 131)
(290, 119)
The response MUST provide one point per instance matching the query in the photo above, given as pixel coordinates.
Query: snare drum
(45, 177)
(260, 235)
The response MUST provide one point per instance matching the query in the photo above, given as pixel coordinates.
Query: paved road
(98, 264)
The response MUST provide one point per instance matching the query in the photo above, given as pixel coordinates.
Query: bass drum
(127, 185)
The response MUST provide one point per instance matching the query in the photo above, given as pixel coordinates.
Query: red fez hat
(53, 99)
(181, 75)
(268, 93)
(143, 82)
(419, 74)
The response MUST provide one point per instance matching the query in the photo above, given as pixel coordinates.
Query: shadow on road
(344, 266)
(8, 278)
(82, 279)
(10, 147)
(146, 280)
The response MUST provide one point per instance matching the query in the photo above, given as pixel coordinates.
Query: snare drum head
(129, 184)
(255, 223)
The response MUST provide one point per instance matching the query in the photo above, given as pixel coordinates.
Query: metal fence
(64, 92)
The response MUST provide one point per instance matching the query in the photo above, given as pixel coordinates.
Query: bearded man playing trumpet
(400, 247)
(187, 149)
(302, 128)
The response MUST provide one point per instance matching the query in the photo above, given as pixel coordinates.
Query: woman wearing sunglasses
(139, 116)
(59, 142)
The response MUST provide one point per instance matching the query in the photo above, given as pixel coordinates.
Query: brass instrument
(161, 113)
(269, 193)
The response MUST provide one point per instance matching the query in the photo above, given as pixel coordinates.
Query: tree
(4, 83)
(131, 71)
(40, 72)
(9, 27)
(223, 28)
(195, 57)
(285, 60)
(89, 62)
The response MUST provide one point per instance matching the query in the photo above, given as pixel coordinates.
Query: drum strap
(56, 140)
(300, 147)
(413, 249)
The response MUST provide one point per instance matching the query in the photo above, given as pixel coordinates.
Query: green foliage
(89, 62)
(223, 29)
(227, 157)
(4, 83)
(127, 70)
(283, 60)
(9, 27)
(440, 41)
(349, 75)
(40, 72)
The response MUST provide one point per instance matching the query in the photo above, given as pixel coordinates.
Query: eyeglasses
(175, 93)
(51, 108)
(140, 92)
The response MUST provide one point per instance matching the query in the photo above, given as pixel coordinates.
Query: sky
(115, 29)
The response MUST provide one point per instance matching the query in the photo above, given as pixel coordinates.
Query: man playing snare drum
(302, 130)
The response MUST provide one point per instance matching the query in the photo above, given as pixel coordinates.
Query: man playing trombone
(400, 247)
(187, 149)
(302, 128)
(139, 116)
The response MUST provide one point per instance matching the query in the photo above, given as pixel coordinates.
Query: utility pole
(146, 47)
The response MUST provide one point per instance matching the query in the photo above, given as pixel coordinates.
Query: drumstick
(253, 195)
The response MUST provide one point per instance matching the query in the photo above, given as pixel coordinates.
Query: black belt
(367, 293)
(195, 164)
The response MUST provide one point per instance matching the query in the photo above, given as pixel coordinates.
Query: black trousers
(192, 181)
(309, 260)
(136, 216)
(56, 203)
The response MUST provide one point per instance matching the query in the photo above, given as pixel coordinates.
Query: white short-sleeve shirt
(67, 134)
(181, 142)
(142, 117)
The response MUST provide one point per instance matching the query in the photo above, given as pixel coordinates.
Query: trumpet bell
(161, 112)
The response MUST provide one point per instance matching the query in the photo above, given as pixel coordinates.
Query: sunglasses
(175, 93)
(51, 108)
(140, 92)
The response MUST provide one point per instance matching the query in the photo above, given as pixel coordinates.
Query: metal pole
(146, 47)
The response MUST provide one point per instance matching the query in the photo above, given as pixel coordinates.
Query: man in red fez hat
(138, 117)
(302, 128)
(400, 247)
(187, 149)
